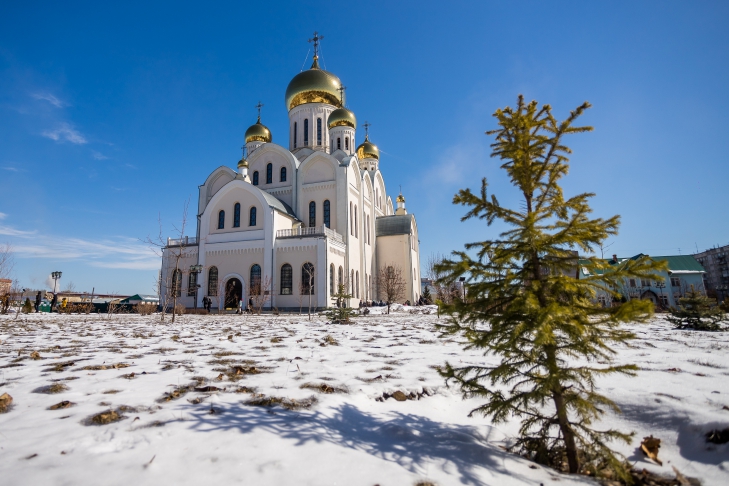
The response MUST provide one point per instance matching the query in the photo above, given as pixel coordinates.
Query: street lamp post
(55, 276)
(661, 284)
(196, 269)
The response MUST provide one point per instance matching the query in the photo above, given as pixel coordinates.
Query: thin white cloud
(50, 99)
(65, 133)
(12, 169)
(98, 155)
(116, 252)
(3, 215)
(8, 231)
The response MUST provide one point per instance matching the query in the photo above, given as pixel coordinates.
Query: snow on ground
(339, 427)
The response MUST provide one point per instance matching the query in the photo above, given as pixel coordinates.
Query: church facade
(296, 220)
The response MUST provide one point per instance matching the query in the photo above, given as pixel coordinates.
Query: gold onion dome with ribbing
(314, 86)
(400, 198)
(258, 133)
(368, 149)
(242, 162)
(342, 117)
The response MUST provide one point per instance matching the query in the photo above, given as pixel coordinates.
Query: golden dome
(342, 117)
(258, 133)
(314, 86)
(368, 150)
(242, 162)
(400, 198)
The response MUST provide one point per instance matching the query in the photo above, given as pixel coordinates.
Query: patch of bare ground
(104, 418)
(287, 403)
(325, 388)
(61, 405)
(51, 389)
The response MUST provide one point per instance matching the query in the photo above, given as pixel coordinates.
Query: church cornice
(313, 186)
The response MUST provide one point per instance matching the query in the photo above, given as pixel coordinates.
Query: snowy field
(278, 400)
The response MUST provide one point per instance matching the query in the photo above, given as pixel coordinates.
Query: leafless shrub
(145, 308)
(391, 284)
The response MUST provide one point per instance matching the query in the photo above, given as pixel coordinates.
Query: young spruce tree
(526, 306)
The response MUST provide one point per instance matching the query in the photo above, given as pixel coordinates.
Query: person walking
(54, 302)
(240, 307)
(37, 301)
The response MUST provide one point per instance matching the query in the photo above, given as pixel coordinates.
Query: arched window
(177, 282)
(312, 214)
(252, 217)
(306, 132)
(221, 219)
(307, 279)
(327, 214)
(318, 131)
(287, 277)
(269, 173)
(351, 220)
(213, 282)
(356, 225)
(340, 276)
(191, 283)
(346, 143)
(255, 281)
(296, 130)
(283, 174)
(255, 178)
(236, 215)
(331, 280)
(357, 294)
(339, 143)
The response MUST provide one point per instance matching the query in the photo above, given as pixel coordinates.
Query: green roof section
(681, 263)
(676, 263)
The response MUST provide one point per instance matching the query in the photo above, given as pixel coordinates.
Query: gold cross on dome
(259, 106)
(367, 126)
(316, 40)
(341, 90)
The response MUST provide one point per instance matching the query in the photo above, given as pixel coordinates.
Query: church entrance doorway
(233, 293)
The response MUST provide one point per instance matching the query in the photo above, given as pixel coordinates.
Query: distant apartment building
(716, 278)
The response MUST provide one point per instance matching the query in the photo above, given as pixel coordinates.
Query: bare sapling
(261, 293)
(173, 253)
(391, 284)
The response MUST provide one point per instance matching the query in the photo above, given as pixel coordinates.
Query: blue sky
(112, 115)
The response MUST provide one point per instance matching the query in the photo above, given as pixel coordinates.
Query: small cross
(341, 90)
(259, 106)
(316, 40)
(367, 126)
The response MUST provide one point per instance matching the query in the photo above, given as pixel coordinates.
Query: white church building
(299, 219)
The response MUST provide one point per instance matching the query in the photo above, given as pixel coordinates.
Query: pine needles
(526, 304)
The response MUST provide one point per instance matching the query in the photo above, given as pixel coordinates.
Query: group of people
(54, 302)
(240, 308)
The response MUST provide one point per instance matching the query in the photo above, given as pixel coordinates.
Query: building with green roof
(683, 272)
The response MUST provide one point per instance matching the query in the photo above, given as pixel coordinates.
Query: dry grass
(51, 389)
(61, 405)
(104, 418)
(324, 388)
(287, 403)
